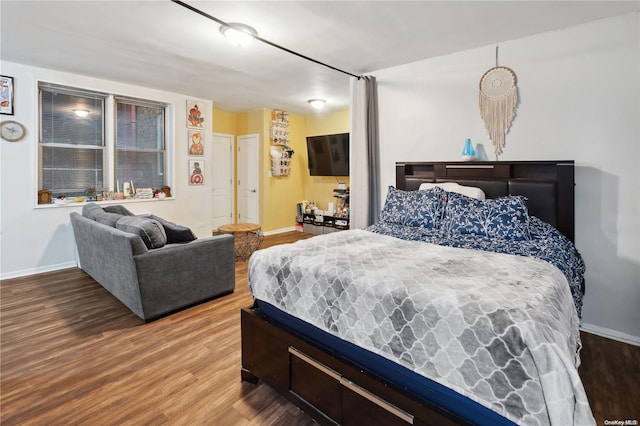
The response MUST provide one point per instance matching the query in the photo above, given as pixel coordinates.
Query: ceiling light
(238, 34)
(317, 103)
(81, 112)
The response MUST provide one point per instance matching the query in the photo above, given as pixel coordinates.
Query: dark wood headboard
(548, 185)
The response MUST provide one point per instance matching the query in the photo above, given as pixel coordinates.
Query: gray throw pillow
(175, 233)
(151, 231)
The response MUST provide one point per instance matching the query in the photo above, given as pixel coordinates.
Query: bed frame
(330, 387)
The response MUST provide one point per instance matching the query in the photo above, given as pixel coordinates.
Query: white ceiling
(160, 44)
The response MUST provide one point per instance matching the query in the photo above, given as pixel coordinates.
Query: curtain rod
(277, 46)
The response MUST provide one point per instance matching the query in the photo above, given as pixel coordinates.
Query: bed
(451, 309)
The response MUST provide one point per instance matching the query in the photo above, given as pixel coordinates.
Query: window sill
(103, 203)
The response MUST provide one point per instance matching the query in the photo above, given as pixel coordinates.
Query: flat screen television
(328, 155)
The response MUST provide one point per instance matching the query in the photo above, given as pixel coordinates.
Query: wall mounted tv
(328, 155)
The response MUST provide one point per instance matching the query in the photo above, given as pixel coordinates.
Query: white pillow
(469, 191)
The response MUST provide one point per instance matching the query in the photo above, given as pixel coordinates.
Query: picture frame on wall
(196, 172)
(6, 95)
(196, 115)
(196, 142)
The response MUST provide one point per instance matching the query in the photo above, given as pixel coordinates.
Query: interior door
(222, 180)
(248, 189)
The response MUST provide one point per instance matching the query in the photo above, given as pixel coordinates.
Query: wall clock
(12, 131)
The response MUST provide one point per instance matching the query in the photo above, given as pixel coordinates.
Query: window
(76, 149)
(140, 144)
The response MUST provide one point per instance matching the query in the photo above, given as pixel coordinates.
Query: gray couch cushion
(107, 216)
(175, 233)
(109, 219)
(119, 209)
(91, 210)
(151, 231)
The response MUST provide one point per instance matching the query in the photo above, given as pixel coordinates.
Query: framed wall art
(196, 115)
(196, 142)
(196, 172)
(6, 95)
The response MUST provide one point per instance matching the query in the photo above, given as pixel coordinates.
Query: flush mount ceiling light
(317, 103)
(81, 112)
(238, 34)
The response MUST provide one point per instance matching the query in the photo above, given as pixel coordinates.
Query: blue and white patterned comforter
(497, 328)
(546, 243)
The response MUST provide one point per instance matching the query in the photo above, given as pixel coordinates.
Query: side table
(247, 236)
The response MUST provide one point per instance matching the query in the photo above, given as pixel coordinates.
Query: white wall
(35, 239)
(579, 100)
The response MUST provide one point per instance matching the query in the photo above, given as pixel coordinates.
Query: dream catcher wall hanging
(498, 102)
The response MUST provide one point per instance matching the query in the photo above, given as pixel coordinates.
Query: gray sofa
(153, 266)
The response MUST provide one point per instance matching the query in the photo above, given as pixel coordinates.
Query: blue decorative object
(468, 153)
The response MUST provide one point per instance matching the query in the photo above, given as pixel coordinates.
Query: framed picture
(196, 115)
(196, 142)
(196, 172)
(6, 95)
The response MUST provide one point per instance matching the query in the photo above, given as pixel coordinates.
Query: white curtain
(364, 200)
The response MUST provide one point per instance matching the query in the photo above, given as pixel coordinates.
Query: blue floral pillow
(422, 209)
(505, 217)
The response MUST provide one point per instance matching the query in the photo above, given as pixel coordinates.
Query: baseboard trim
(279, 231)
(610, 334)
(39, 270)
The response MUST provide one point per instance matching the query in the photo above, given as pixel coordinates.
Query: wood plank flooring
(71, 354)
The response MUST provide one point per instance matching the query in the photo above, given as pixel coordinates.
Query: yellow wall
(279, 195)
(224, 122)
(250, 122)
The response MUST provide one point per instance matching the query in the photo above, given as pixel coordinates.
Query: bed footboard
(328, 388)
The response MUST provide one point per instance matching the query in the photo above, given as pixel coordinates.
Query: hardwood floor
(610, 372)
(71, 354)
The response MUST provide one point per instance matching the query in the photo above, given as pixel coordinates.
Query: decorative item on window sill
(126, 189)
(91, 193)
(468, 153)
(166, 190)
(45, 196)
(144, 193)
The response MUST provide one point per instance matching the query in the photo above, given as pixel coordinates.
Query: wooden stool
(247, 236)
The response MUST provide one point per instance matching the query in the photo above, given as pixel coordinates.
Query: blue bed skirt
(400, 376)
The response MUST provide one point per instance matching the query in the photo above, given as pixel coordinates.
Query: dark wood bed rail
(548, 185)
